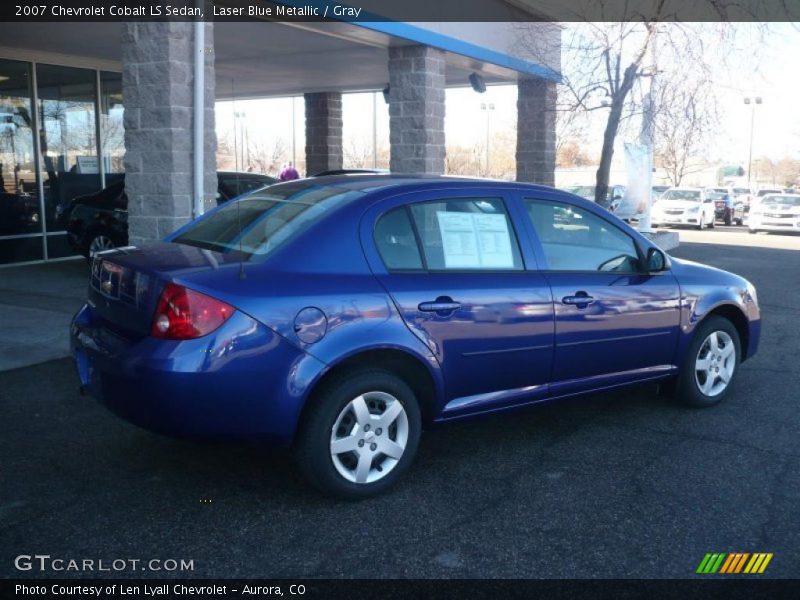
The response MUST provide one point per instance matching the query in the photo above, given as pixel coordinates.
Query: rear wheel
(710, 365)
(359, 435)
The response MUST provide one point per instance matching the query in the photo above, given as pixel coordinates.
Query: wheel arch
(421, 376)
(736, 316)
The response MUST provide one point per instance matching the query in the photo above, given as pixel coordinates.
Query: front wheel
(710, 365)
(702, 223)
(359, 435)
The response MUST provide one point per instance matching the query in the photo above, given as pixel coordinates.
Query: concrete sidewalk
(37, 303)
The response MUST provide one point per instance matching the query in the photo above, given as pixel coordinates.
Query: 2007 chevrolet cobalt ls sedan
(337, 316)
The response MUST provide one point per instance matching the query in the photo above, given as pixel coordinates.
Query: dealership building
(81, 104)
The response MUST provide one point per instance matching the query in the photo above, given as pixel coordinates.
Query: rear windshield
(258, 224)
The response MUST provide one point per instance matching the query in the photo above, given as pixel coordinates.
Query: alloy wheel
(100, 243)
(369, 437)
(715, 363)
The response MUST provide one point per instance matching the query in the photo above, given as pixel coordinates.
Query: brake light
(185, 314)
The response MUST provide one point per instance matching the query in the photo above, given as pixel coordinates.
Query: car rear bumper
(242, 382)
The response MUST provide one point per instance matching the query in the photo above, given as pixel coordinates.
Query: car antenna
(242, 274)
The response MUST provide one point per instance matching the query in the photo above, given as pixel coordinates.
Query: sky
(773, 77)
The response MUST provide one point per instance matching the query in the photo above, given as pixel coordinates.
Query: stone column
(324, 150)
(157, 76)
(416, 109)
(536, 131)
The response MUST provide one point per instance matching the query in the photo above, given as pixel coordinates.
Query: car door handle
(580, 299)
(439, 306)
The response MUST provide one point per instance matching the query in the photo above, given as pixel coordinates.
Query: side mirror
(656, 260)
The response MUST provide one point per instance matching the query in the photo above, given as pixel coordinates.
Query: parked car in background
(19, 213)
(345, 315)
(722, 212)
(768, 191)
(99, 221)
(683, 206)
(613, 196)
(777, 213)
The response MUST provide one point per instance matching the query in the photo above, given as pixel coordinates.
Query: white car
(683, 206)
(775, 212)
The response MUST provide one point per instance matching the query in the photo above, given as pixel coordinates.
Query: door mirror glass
(656, 260)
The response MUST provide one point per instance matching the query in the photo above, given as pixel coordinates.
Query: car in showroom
(99, 221)
(776, 213)
(682, 206)
(338, 316)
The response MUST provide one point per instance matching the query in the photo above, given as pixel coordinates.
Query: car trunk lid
(125, 284)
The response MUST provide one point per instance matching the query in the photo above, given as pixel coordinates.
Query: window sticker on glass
(494, 241)
(474, 240)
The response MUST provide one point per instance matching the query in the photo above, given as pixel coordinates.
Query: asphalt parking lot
(614, 485)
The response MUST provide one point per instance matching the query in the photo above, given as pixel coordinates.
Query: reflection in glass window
(111, 131)
(68, 141)
(574, 239)
(473, 233)
(19, 200)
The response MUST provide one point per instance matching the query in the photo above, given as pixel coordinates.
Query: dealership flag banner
(637, 192)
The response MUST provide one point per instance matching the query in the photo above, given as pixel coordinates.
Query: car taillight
(184, 314)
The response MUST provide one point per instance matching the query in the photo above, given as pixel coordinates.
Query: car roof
(398, 182)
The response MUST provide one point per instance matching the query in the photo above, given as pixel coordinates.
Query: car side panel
(704, 290)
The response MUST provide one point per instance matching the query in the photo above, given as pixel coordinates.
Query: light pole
(752, 102)
(488, 108)
(241, 118)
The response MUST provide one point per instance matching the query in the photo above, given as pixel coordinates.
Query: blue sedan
(338, 316)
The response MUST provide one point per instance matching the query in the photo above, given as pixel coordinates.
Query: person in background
(728, 208)
(289, 173)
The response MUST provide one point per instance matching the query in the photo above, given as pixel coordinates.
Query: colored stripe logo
(734, 562)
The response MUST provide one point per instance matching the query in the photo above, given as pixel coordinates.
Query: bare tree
(684, 123)
(604, 63)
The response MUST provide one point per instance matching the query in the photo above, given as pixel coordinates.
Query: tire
(728, 221)
(752, 230)
(702, 222)
(712, 224)
(692, 386)
(332, 417)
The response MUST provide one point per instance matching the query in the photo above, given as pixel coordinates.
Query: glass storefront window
(73, 129)
(70, 168)
(19, 200)
(112, 133)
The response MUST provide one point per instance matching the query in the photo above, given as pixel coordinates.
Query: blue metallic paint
(511, 342)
